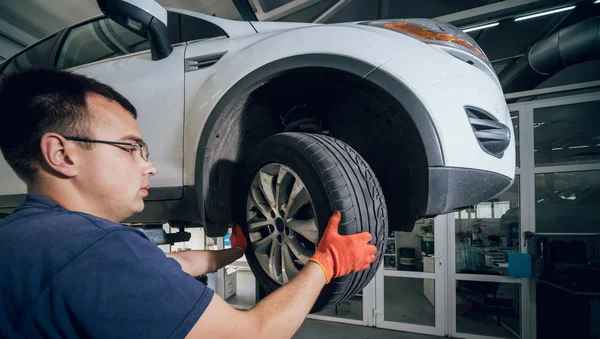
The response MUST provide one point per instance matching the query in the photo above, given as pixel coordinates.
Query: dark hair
(38, 101)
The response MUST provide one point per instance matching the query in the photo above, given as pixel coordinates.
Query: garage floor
(324, 329)
(405, 303)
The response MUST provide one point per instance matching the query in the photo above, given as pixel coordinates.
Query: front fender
(246, 55)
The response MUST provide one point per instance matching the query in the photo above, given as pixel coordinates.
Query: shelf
(389, 254)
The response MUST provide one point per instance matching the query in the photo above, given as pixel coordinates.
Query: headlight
(434, 32)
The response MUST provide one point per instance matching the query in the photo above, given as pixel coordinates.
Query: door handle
(437, 257)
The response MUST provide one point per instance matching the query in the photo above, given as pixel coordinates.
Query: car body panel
(10, 184)
(276, 26)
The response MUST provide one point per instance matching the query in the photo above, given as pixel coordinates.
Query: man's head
(42, 110)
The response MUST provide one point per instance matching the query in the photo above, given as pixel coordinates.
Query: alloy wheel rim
(281, 221)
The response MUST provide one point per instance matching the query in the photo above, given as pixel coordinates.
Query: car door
(40, 54)
(108, 52)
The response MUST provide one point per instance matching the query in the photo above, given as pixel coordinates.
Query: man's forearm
(199, 262)
(282, 312)
(223, 258)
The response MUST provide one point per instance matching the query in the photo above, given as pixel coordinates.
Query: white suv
(275, 125)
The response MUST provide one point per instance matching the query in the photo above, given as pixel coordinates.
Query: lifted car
(275, 125)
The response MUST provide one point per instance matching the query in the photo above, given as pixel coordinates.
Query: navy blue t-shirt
(70, 274)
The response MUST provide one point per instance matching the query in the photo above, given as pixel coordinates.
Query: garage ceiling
(22, 22)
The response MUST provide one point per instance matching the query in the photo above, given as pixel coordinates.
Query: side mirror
(145, 18)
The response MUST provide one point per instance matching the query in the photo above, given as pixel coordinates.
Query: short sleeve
(123, 286)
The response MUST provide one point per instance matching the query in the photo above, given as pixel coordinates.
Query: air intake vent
(203, 61)
(493, 137)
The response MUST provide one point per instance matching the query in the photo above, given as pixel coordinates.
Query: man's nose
(150, 169)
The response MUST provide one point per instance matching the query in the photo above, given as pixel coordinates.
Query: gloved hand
(238, 239)
(339, 255)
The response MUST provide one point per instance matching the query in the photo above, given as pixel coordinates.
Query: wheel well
(334, 102)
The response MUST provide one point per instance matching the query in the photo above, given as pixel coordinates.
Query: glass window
(183, 28)
(98, 40)
(488, 308)
(567, 202)
(104, 39)
(567, 134)
(193, 28)
(38, 55)
(409, 300)
(351, 308)
(173, 27)
(487, 232)
(411, 251)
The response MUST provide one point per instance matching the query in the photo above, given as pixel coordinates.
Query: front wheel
(293, 183)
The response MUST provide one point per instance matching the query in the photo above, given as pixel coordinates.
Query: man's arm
(282, 312)
(199, 262)
(279, 315)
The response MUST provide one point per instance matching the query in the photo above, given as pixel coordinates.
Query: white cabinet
(230, 282)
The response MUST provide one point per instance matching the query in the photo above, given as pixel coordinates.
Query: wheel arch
(214, 204)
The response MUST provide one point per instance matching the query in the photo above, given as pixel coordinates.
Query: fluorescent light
(557, 149)
(476, 28)
(575, 147)
(535, 15)
(597, 2)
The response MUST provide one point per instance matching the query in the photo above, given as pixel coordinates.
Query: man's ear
(59, 154)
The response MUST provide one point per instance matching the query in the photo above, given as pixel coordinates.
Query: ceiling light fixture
(476, 28)
(535, 15)
(597, 2)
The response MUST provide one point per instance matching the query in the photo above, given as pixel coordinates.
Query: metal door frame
(439, 276)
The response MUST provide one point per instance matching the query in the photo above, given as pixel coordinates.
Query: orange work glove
(238, 239)
(339, 255)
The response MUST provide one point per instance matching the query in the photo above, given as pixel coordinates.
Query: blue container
(519, 265)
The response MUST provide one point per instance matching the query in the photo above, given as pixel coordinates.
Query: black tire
(336, 178)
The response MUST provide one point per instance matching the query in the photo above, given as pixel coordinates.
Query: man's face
(114, 176)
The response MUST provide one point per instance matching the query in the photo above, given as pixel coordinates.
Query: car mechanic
(69, 269)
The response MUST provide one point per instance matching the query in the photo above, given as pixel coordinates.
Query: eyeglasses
(142, 145)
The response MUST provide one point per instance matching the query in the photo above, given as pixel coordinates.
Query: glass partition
(409, 300)
(488, 308)
(487, 232)
(567, 134)
(567, 202)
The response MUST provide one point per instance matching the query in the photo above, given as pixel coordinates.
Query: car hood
(272, 26)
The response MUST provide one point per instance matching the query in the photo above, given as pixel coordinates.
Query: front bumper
(452, 188)
(446, 87)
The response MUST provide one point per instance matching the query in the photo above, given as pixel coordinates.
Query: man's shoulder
(58, 230)
(60, 218)
(93, 221)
